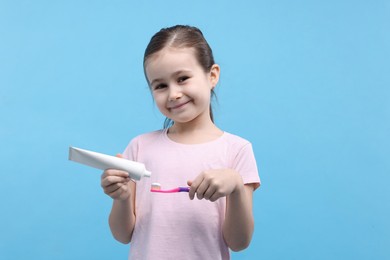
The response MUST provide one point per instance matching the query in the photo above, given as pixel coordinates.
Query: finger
(209, 192)
(114, 179)
(189, 183)
(107, 181)
(113, 172)
(115, 194)
(112, 188)
(202, 188)
(216, 196)
(193, 187)
(119, 192)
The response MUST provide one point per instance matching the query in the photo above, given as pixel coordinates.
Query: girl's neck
(193, 133)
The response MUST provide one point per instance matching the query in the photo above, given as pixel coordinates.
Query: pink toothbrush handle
(184, 189)
(179, 189)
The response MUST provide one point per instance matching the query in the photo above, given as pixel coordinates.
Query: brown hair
(182, 36)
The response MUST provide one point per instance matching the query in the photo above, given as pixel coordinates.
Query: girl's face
(179, 85)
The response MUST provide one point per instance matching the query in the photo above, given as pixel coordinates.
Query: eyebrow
(173, 75)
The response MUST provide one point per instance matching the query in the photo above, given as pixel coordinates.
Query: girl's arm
(239, 224)
(121, 189)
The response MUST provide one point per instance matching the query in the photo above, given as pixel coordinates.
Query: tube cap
(147, 173)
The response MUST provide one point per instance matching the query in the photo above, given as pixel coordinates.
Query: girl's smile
(179, 85)
(178, 106)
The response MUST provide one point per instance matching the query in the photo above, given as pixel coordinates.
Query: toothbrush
(156, 187)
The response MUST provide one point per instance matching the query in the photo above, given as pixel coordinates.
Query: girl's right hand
(116, 184)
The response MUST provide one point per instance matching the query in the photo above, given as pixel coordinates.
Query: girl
(219, 167)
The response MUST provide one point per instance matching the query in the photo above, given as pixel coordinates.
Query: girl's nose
(175, 93)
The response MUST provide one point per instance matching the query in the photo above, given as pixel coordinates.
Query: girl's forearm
(122, 220)
(239, 224)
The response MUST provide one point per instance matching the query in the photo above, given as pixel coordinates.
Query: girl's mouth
(180, 105)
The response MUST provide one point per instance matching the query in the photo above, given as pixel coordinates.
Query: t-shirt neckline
(166, 137)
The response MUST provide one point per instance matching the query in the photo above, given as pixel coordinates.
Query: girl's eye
(160, 86)
(182, 79)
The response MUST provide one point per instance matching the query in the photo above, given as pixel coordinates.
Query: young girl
(219, 167)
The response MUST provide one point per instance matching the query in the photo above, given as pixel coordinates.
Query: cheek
(205, 96)
(202, 92)
(160, 101)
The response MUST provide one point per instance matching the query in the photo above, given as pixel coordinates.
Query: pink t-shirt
(171, 226)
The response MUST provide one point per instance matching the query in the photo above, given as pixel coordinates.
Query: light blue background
(307, 82)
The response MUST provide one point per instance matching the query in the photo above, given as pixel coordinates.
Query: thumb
(119, 155)
(189, 183)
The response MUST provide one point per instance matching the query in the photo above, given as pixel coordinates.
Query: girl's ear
(214, 75)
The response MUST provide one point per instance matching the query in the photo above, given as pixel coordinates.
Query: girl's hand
(214, 184)
(115, 183)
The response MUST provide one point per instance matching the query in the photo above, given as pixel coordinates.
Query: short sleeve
(245, 164)
(130, 152)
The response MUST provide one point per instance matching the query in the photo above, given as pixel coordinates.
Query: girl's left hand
(214, 184)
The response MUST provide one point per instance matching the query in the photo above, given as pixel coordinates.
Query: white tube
(101, 161)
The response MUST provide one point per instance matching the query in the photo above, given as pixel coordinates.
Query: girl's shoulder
(152, 134)
(146, 138)
(233, 138)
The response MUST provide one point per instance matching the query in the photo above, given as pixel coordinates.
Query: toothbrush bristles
(156, 186)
